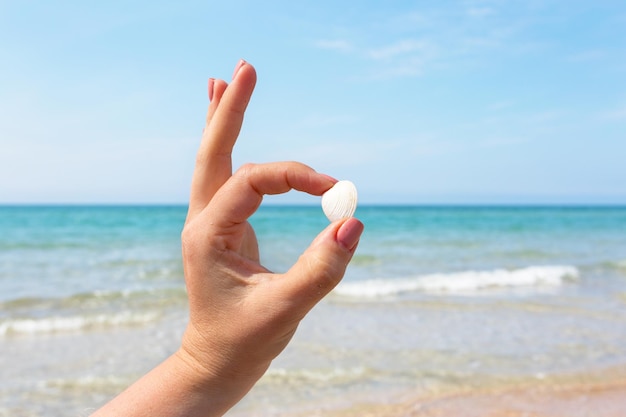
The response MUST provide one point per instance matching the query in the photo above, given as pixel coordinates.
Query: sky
(416, 102)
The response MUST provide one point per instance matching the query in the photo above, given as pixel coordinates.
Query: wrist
(215, 373)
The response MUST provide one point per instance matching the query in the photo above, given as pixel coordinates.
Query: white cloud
(614, 114)
(410, 67)
(547, 116)
(418, 42)
(501, 105)
(402, 47)
(340, 45)
(404, 58)
(588, 56)
(410, 20)
(318, 120)
(502, 141)
(473, 43)
(480, 11)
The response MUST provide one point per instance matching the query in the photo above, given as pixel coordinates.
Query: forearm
(177, 387)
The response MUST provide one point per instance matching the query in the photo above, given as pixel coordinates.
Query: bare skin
(241, 315)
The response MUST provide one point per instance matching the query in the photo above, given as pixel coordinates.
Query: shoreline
(600, 394)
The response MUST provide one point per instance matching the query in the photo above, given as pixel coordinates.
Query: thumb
(323, 264)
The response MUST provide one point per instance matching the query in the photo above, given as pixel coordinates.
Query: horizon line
(305, 204)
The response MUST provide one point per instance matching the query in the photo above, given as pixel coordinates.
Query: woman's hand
(241, 315)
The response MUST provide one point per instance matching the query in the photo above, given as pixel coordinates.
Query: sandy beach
(595, 399)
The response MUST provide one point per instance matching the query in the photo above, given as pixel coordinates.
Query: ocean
(437, 300)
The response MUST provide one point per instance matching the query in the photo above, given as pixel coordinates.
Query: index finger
(240, 197)
(213, 161)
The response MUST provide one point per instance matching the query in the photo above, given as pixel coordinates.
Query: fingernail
(349, 233)
(211, 84)
(331, 179)
(240, 64)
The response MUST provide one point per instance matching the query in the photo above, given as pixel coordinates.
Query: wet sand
(595, 400)
(607, 401)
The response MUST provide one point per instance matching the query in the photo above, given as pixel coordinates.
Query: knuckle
(192, 240)
(246, 169)
(328, 274)
(200, 241)
(187, 239)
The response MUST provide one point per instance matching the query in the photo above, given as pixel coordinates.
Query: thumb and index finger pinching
(323, 264)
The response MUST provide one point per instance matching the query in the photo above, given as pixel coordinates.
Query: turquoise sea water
(436, 298)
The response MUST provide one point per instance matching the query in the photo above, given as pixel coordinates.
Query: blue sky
(414, 101)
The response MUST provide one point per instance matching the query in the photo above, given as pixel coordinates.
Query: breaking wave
(466, 282)
(74, 323)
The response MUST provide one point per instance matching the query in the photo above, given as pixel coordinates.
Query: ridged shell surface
(340, 201)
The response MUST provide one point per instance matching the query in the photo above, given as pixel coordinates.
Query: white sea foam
(73, 323)
(87, 382)
(466, 282)
(307, 376)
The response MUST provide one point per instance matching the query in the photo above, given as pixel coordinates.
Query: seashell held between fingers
(340, 201)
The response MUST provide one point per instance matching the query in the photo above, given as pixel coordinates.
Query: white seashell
(340, 201)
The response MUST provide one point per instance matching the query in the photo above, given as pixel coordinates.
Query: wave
(466, 282)
(74, 323)
(617, 265)
(99, 298)
(91, 383)
(317, 375)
